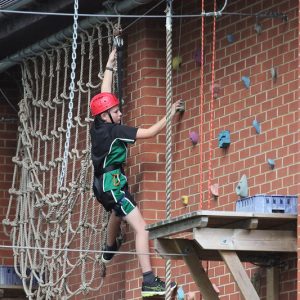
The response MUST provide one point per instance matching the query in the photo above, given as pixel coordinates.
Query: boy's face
(115, 114)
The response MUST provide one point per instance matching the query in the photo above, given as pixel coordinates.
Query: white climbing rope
(169, 96)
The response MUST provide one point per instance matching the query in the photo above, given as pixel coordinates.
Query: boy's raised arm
(106, 86)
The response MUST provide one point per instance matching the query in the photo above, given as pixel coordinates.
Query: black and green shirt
(109, 147)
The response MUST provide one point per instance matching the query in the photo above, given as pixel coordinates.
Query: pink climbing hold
(215, 189)
(191, 296)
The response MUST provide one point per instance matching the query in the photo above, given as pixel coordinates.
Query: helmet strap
(110, 117)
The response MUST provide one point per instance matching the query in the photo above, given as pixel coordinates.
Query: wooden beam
(239, 274)
(190, 256)
(246, 240)
(196, 269)
(273, 283)
(169, 250)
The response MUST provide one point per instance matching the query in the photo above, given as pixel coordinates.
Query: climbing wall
(245, 90)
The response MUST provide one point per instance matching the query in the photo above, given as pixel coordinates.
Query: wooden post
(238, 272)
(273, 283)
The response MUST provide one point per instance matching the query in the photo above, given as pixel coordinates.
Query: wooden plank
(239, 274)
(11, 286)
(225, 219)
(246, 240)
(180, 226)
(243, 224)
(273, 283)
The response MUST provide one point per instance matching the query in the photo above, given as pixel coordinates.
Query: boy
(109, 151)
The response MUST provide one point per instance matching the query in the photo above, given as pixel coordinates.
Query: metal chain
(71, 88)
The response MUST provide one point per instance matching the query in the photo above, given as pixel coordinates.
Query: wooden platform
(232, 237)
(12, 292)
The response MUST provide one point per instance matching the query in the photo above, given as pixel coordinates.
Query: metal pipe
(16, 5)
(20, 23)
(58, 38)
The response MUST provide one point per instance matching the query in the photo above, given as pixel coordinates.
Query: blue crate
(268, 204)
(8, 276)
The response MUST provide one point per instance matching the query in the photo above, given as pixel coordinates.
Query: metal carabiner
(116, 179)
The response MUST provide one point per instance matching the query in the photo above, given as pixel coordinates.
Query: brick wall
(8, 136)
(273, 103)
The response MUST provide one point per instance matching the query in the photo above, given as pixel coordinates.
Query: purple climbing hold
(194, 137)
(197, 57)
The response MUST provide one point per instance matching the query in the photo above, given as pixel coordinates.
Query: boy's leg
(151, 285)
(113, 228)
(136, 221)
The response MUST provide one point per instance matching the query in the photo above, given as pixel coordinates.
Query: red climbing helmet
(102, 102)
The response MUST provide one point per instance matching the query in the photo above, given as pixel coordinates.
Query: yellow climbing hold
(176, 62)
(185, 200)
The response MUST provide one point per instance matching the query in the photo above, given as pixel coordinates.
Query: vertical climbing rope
(168, 132)
(212, 105)
(201, 103)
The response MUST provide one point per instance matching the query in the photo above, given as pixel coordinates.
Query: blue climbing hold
(258, 28)
(273, 73)
(242, 187)
(257, 126)
(224, 139)
(271, 163)
(230, 38)
(180, 293)
(246, 81)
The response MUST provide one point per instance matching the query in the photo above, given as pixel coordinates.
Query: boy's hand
(111, 59)
(178, 106)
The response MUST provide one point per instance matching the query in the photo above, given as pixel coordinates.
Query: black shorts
(122, 206)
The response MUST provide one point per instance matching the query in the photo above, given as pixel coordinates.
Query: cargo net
(57, 230)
